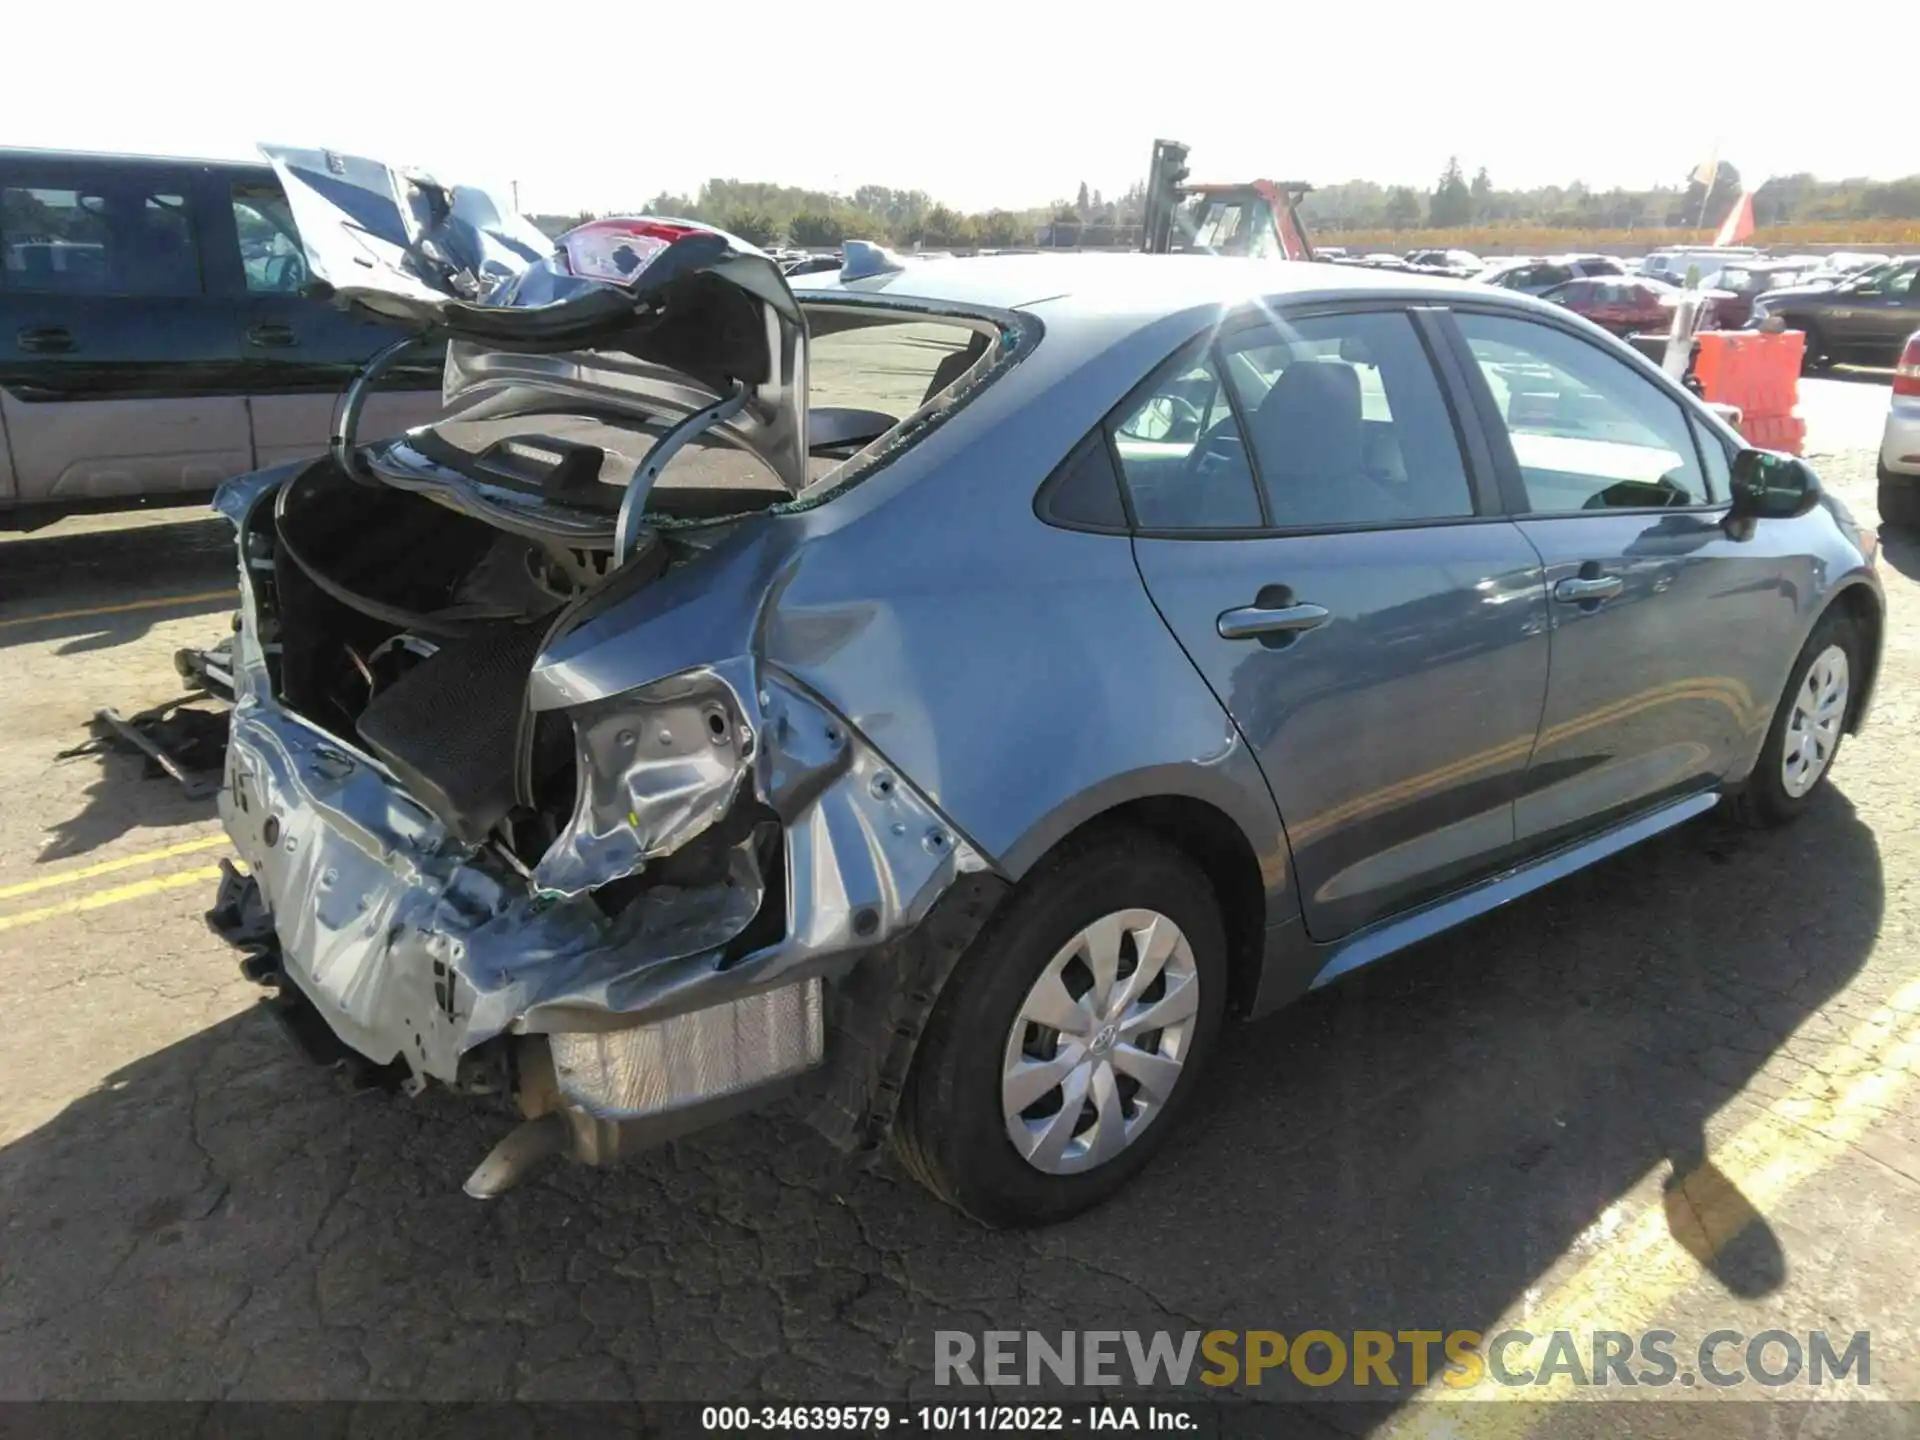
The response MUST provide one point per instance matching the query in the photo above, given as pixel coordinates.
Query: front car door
(298, 354)
(113, 353)
(1666, 633)
(1610, 309)
(1859, 319)
(1345, 584)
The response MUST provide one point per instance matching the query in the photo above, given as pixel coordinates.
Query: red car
(1623, 304)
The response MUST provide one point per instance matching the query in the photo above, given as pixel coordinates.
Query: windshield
(1234, 227)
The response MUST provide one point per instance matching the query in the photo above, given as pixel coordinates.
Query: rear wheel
(1069, 1041)
(1899, 500)
(1815, 358)
(1808, 725)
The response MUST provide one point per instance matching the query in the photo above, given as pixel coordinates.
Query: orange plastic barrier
(1775, 432)
(1759, 372)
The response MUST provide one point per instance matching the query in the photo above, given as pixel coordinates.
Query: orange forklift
(1257, 218)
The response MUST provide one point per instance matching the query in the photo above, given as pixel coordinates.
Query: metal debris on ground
(209, 669)
(177, 740)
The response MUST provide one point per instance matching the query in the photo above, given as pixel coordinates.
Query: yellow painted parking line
(109, 867)
(119, 895)
(1653, 1257)
(156, 602)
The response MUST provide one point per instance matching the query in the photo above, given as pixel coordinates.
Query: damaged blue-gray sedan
(933, 694)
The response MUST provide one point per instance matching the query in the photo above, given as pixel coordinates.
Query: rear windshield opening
(870, 376)
(876, 378)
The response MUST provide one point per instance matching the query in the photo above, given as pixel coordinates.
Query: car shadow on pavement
(1900, 549)
(97, 589)
(127, 795)
(1858, 374)
(1411, 1149)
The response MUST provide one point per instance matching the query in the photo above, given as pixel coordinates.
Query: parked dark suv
(155, 339)
(1866, 319)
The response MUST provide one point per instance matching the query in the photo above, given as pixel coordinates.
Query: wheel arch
(1207, 834)
(1863, 605)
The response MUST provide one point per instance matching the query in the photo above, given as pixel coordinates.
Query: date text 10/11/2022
(925, 1419)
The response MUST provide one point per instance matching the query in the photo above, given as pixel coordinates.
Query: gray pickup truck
(157, 337)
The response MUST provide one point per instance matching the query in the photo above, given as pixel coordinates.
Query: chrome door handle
(46, 339)
(1251, 621)
(1578, 590)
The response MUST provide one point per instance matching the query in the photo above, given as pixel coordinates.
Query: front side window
(1348, 423)
(270, 252)
(1587, 431)
(1718, 459)
(110, 240)
(1181, 453)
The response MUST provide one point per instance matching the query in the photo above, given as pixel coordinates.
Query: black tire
(1899, 500)
(1764, 801)
(951, 1133)
(1815, 359)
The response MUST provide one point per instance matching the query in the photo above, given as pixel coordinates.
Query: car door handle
(46, 339)
(275, 336)
(1585, 589)
(1251, 621)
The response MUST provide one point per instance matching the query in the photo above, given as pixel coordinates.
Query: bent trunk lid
(667, 317)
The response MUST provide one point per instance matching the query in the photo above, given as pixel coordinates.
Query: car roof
(92, 158)
(1123, 282)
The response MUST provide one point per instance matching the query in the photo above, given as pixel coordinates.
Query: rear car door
(1665, 632)
(1885, 327)
(1308, 525)
(298, 354)
(113, 353)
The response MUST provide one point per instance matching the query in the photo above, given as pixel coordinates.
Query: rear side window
(1084, 492)
(1348, 423)
(118, 239)
(1182, 454)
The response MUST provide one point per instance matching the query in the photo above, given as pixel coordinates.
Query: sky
(978, 102)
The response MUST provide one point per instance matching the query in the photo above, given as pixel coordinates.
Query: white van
(1671, 265)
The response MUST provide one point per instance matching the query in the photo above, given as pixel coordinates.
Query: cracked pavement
(188, 1210)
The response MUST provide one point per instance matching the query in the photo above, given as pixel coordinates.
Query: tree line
(1456, 201)
(769, 214)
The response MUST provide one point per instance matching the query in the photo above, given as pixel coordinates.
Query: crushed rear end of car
(523, 808)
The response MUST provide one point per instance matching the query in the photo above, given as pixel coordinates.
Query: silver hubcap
(1099, 1042)
(1813, 729)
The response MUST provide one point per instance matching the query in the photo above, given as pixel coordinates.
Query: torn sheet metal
(379, 233)
(418, 947)
(655, 773)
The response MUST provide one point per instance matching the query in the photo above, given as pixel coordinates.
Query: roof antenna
(863, 259)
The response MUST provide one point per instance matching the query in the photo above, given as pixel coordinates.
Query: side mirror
(1771, 486)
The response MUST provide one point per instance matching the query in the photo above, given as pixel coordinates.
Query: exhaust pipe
(518, 1155)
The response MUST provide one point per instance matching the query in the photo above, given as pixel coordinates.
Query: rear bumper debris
(405, 955)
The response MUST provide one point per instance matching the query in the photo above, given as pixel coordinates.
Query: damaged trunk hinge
(345, 442)
(634, 503)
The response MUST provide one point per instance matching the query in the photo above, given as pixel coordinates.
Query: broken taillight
(618, 251)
